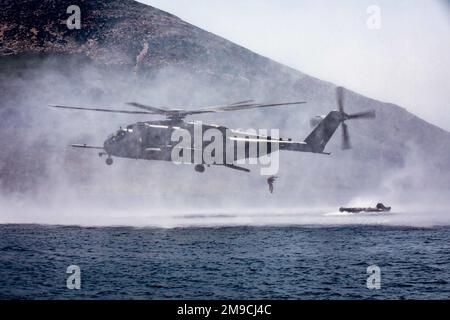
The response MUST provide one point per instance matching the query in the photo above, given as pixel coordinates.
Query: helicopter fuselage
(156, 140)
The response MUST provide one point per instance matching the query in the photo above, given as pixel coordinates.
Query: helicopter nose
(107, 145)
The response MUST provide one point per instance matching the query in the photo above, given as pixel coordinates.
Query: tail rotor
(346, 143)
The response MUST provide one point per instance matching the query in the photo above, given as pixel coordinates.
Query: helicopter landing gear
(109, 161)
(199, 168)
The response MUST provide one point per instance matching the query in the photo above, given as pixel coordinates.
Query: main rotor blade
(158, 110)
(240, 107)
(163, 110)
(346, 145)
(363, 115)
(101, 110)
(242, 102)
(179, 113)
(340, 98)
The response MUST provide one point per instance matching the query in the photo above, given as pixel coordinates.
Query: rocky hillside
(123, 33)
(126, 51)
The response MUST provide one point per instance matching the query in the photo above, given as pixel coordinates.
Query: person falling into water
(270, 182)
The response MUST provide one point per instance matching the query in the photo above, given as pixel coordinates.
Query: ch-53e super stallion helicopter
(152, 140)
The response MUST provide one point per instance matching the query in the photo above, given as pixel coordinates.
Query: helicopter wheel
(200, 168)
(109, 161)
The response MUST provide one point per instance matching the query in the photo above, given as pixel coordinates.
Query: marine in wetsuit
(270, 182)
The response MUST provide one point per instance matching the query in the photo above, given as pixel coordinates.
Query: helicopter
(152, 140)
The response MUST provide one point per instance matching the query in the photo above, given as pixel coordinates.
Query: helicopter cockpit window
(119, 135)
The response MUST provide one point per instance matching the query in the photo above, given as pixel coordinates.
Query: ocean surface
(236, 262)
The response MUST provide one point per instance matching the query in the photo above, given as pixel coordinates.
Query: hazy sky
(406, 61)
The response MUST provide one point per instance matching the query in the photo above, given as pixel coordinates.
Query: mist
(45, 181)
